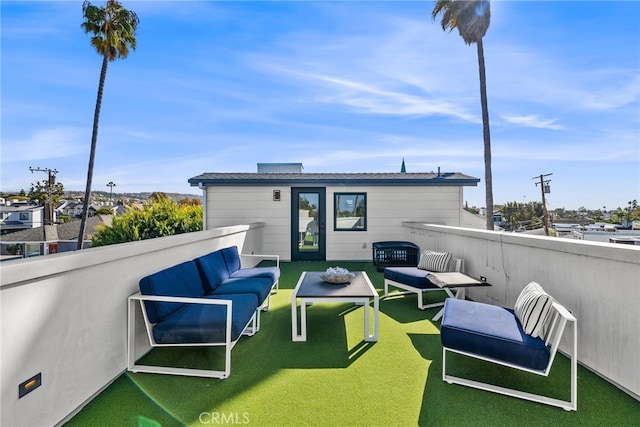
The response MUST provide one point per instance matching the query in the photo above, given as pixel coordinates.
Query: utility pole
(544, 188)
(111, 184)
(51, 173)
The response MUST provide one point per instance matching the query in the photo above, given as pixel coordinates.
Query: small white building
(331, 216)
(20, 217)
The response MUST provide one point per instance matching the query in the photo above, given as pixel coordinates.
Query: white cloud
(46, 144)
(533, 121)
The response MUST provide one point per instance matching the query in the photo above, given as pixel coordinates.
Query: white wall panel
(387, 208)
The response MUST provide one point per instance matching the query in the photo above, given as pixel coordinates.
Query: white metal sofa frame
(458, 265)
(250, 329)
(276, 286)
(558, 318)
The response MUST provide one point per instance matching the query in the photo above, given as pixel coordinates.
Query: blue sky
(346, 86)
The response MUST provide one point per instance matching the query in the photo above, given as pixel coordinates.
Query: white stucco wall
(387, 209)
(65, 315)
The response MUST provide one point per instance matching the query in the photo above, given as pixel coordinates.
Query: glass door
(308, 224)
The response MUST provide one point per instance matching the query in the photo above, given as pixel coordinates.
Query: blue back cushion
(213, 269)
(232, 258)
(182, 280)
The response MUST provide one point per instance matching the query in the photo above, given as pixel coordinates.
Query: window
(350, 212)
(24, 216)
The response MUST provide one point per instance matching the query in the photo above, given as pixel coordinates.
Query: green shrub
(163, 217)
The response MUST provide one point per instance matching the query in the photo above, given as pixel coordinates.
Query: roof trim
(306, 179)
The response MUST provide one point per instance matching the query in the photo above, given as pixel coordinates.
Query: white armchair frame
(250, 329)
(556, 323)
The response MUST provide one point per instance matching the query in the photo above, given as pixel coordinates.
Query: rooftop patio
(65, 316)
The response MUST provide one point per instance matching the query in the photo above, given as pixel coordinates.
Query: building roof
(20, 208)
(66, 231)
(373, 179)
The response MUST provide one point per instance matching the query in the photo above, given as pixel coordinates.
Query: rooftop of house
(335, 378)
(65, 231)
(67, 317)
(374, 179)
(19, 208)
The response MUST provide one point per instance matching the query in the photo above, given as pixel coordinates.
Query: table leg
(295, 335)
(368, 336)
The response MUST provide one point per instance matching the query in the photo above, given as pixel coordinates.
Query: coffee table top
(311, 285)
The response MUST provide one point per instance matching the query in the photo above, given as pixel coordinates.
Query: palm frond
(113, 27)
(470, 18)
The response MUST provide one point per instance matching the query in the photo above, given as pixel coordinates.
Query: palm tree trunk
(488, 181)
(92, 154)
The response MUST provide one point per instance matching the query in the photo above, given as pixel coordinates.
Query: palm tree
(113, 28)
(472, 19)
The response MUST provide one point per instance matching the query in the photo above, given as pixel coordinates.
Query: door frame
(321, 253)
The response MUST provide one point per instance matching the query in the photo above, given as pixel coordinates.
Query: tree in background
(162, 217)
(40, 190)
(472, 19)
(105, 210)
(113, 28)
(632, 211)
(528, 215)
(47, 194)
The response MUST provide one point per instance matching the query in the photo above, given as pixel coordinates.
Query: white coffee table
(312, 289)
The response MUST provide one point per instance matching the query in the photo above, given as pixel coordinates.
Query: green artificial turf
(336, 379)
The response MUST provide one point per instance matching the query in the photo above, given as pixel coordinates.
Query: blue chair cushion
(258, 286)
(202, 323)
(490, 331)
(271, 273)
(182, 280)
(213, 270)
(412, 276)
(232, 258)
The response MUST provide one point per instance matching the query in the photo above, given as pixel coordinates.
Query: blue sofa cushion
(200, 323)
(258, 286)
(213, 270)
(490, 331)
(232, 259)
(182, 280)
(271, 273)
(412, 276)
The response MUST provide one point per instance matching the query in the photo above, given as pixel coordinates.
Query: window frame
(336, 205)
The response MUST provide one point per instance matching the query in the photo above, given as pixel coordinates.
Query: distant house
(498, 218)
(49, 239)
(20, 217)
(331, 216)
(74, 209)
